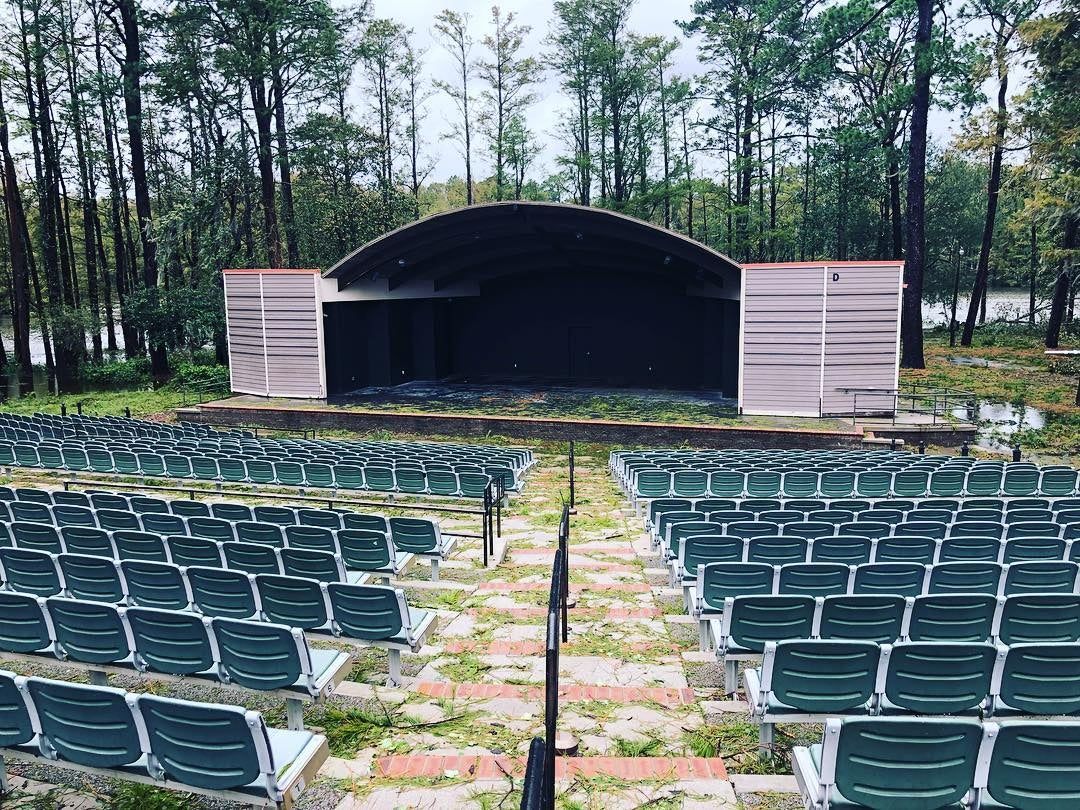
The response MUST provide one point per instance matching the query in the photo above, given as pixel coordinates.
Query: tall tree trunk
(1060, 299)
(288, 215)
(15, 217)
(132, 71)
(911, 355)
(993, 188)
(1033, 273)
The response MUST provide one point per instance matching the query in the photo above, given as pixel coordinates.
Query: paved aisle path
(456, 733)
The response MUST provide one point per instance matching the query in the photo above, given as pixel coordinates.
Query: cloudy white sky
(649, 16)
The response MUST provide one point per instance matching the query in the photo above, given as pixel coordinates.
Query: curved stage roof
(489, 241)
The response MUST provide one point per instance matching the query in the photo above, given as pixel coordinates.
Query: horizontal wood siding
(274, 333)
(861, 319)
(243, 312)
(782, 314)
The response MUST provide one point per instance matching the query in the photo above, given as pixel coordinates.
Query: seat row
(748, 623)
(225, 752)
(50, 424)
(979, 553)
(232, 469)
(682, 525)
(102, 638)
(978, 480)
(376, 615)
(807, 681)
(929, 763)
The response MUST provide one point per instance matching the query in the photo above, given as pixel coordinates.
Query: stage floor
(545, 399)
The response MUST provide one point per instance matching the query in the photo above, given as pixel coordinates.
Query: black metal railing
(538, 792)
(914, 398)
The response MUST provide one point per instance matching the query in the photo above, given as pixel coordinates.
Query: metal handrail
(924, 399)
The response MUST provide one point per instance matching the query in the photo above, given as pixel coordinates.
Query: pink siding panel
(781, 346)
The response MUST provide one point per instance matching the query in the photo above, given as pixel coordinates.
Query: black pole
(573, 502)
(922, 445)
(1016, 453)
(484, 520)
(78, 406)
(500, 494)
(63, 409)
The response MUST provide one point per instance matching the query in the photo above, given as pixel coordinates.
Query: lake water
(1009, 304)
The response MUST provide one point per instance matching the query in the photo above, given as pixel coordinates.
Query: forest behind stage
(147, 145)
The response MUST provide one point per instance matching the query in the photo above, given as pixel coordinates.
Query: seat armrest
(754, 697)
(806, 775)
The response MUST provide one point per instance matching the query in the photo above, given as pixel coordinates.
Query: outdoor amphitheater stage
(540, 409)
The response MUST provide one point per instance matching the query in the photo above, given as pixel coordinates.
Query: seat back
(33, 572)
(131, 545)
(777, 550)
(965, 577)
(904, 764)
(1040, 576)
(721, 580)
(16, 727)
(952, 617)
(845, 550)
(281, 515)
(84, 540)
(814, 579)
(87, 725)
(322, 518)
(822, 676)
(969, 549)
(24, 627)
(1040, 618)
(315, 538)
(1040, 679)
(917, 549)
(71, 515)
(1033, 765)
(207, 746)
(36, 537)
(293, 601)
(93, 578)
(260, 655)
(155, 585)
(254, 558)
(222, 592)
(88, 631)
(936, 678)
(754, 620)
(322, 566)
(371, 612)
(176, 643)
(415, 535)
(866, 617)
(190, 551)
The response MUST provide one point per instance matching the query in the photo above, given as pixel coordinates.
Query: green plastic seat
(85, 725)
(232, 470)
(88, 541)
(416, 535)
(846, 550)
(1033, 765)
(936, 678)
(751, 621)
(763, 484)
(977, 528)
(864, 528)
(892, 763)
(689, 484)
(1020, 482)
(473, 485)
(800, 484)
(1022, 549)
(322, 566)
(143, 505)
(7, 454)
(984, 480)
(649, 483)
(26, 455)
(189, 551)
(178, 466)
(211, 529)
(117, 520)
(265, 533)
(62, 498)
(373, 613)
(1032, 618)
(969, 549)
(234, 512)
(260, 655)
(1033, 529)
(874, 483)
(259, 471)
(94, 579)
(813, 579)
(36, 537)
(322, 518)
(776, 550)
(155, 585)
(862, 617)
(965, 578)
(832, 516)
(371, 522)
(109, 500)
(170, 642)
(252, 558)
(1041, 679)
(809, 529)
(959, 617)
(695, 550)
(818, 677)
(189, 508)
(911, 483)
(125, 463)
(318, 475)
(23, 628)
(895, 578)
(905, 549)
(88, 632)
(379, 478)
(294, 602)
(166, 524)
(31, 512)
(222, 592)
(315, 538)
(1058, 482)
(747, 529)
(289, 473)
(278, 515)
(75, 459)
(727, 484)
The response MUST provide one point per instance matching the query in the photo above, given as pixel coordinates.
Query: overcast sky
(649, 17)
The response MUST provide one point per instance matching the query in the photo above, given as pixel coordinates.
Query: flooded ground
(999, 422)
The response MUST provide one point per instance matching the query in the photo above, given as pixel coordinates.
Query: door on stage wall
(580, 351)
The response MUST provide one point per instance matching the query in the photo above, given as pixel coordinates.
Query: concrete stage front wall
(611, 329)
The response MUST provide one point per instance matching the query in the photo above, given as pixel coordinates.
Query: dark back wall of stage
(610, 330)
